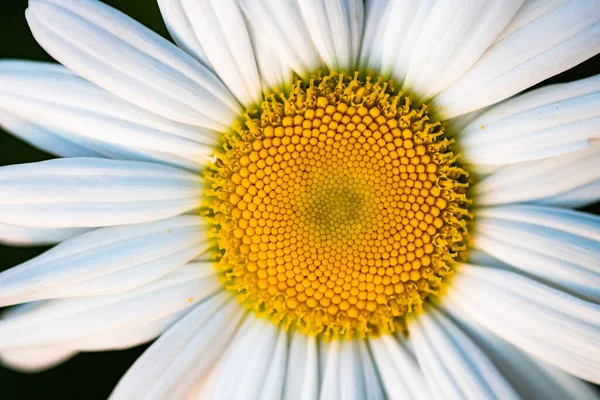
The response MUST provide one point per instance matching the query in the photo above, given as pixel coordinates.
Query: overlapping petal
(21, 236)
(346, 373)
(561, 247)
(529, 377)
(449, 41)
(537, 318)
(222, 39)
(107, 260)
(400, 374)
(545, 42)
(545, 122)
(453, 365)
(335, 28)
(91, 118)
(281, 23)
(105, 322)
(172, 366)
(567, 179)
(120, 55)
(90, 192)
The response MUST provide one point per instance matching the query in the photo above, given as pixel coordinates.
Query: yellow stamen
(338, 207)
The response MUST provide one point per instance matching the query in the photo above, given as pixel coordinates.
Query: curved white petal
(69, 144)
(20, 236)
(579, 197)
(453, 365)
(346, 372)
(274, 73)
(373, 384)
(272, 388)
(560, 247)
(377, 15)
(70, 322)
(43, 138)
(185, 353)
(220, 29)
(248, 359)
(541, 123)
(180, 28)
(398, 369)
(336, 29)
(530, 378)
(120, 55)
(402, 28)
(545, 46)
(536, 181)
(451, 39)
(108, 260)
(552, 325)
(51, 96)
(302, 378)
(88, 192)
(281, 23)
(34, 359)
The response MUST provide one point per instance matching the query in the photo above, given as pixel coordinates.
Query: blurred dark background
(93, 375)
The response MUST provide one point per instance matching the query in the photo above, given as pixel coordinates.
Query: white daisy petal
(272, 388)
(53, 97)
(530, 378)
(87, 192)
(560, 247)
(528, 13)
(20, 236)
(180, 28)
(536, 181)
(452, 38)
(248, 359)
(108, 260)
(453, 365)
(69, 322)
(336, 29)
(43, 138)
(399, 371)
(541, 123)
(343, 376)
(403, 26)
(120, 55)
(34, 359)
(377, 15)
(538, 319)
(579, 197)
(576, 388)
(373, 384)
(302, 379)
(272, 70)
(65, 144)
(281, 23)
(185, 353)
(547, 45)
(125, 338)
(220, 29)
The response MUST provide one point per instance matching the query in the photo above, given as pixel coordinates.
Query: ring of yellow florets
(338, 207)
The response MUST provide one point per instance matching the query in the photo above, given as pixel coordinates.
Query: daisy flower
(309, 199)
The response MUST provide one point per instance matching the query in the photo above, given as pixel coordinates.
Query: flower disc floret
(338, 207)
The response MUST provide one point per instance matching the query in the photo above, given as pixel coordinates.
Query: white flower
(162, 152)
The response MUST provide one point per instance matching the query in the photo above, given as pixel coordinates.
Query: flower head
(309, 199)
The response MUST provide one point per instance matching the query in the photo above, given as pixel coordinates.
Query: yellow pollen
(338, 208)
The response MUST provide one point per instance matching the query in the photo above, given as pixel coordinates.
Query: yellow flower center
(339, 207)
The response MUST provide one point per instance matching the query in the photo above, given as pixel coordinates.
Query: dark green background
(93, 375)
